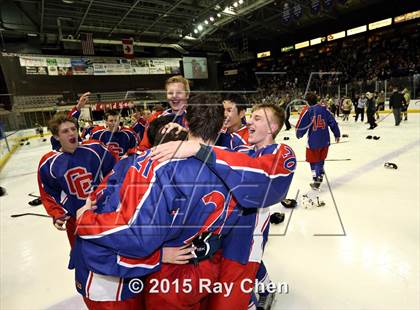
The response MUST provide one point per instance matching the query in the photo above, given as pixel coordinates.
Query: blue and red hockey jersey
(96, 286)
(233, 140)
(246, 240)
(87, 131)
(316, 120)
(139, 127)
(65, 180)
(118, 142)
(173, 202)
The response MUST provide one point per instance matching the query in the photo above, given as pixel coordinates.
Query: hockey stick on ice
(32, 195)
(34, 214)
(339, 142)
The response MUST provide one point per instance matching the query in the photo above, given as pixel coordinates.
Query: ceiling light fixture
(200, 28)
(228, 10)
(188, 37)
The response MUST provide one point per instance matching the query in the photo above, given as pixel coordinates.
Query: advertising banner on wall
(29, 61)
(36, 70)
(172, 66)
(52, 66)
(57, 66)
(81, 66)
(157, 66)
(116, 105)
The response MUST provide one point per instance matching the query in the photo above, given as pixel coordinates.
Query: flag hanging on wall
(128, 48)
(87, 43)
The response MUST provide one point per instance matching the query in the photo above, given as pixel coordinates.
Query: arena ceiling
(177, 24)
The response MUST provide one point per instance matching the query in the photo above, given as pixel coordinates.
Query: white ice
(360, 253)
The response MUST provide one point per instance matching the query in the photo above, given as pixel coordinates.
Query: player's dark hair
(110, 113)
(155, 135)
(278, 113)
(59, 119)
(312, 99)
(239, 100)
(205, 116)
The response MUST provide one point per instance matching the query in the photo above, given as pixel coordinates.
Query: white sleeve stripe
(141, 265)
(52, 164)
(255, 170)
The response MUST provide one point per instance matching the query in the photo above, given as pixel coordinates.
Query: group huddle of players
(179, 198)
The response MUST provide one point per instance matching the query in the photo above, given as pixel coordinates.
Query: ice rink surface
(361, 252)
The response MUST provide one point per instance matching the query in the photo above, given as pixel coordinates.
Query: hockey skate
(265, 302)
(317, 183)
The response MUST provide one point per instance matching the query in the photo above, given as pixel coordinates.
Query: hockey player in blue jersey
(139, 125)
(75, 113)
(235, 131)
(150, 211)
(68, 175)
(117, 139)
(102, 293)
(243, 246)
(177, 93)
(316, 120)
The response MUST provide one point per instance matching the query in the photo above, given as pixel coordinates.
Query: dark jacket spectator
(396, 101)
(370, 105)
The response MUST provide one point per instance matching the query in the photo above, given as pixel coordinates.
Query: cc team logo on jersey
(79, 182)
(115, 148)
(289, 158)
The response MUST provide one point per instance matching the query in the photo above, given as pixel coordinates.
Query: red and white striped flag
(128, 48)
(87, 43)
